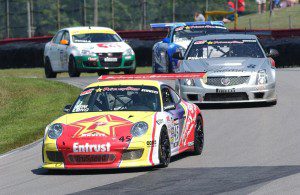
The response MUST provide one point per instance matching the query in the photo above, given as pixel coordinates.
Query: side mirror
(64, 42)
(166, 40)
(67, 108)
(169, 107)
(273, 53)
(177, 55)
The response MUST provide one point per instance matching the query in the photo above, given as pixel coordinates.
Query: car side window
(175, 96)
(66, 36)
(167, 97)
(58, 37)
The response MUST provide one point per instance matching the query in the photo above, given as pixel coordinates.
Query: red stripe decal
(153, 135)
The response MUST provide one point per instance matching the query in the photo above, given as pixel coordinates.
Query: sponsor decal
(91, 147)
(121, 89)
(225, 90)
(159, 121)
(191, 143)
(151, 143)
(108, 45)
(81, 108)
(93, 134)
(91, 59)
(89, 91)
(149, 91)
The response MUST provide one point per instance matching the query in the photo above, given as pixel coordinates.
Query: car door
(63, 51)
(175, 117)
(54, 54)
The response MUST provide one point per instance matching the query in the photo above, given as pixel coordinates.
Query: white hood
(103, 47)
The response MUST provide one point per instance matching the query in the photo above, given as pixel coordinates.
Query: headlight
(55, 131)
(139, 129)
(262, 77)
(128, 52)
(87, 53)
(189, 82)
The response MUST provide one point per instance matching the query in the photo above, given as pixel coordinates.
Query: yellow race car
(117, 124)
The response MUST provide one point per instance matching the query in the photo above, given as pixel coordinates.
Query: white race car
(87, 49)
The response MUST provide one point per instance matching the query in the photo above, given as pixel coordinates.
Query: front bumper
(234, 94)
(95, 63)
(118, 161)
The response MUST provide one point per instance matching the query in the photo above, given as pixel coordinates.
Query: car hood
(102, 124)
(221, 65)
(103, 47)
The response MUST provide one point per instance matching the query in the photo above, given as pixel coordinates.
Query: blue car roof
(177, 24)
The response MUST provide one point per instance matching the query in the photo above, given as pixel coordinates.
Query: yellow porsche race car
(117, 124)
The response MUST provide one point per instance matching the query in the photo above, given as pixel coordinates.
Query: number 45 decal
(126, 139)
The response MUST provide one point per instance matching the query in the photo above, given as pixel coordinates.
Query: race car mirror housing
(64, 42)
(177, 55)
(273, 53)
(67, 108)
(166, 40)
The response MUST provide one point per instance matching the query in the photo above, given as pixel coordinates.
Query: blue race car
(179, 37)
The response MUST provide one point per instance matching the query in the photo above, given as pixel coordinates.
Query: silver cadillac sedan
(236, 70)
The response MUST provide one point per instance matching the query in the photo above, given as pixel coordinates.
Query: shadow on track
(210, 180)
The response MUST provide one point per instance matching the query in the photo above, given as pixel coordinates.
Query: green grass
(39, 72)
(279, 19)
(28, 103)
(27, 106)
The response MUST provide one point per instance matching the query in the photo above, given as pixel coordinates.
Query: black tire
(73, 72)
(168, 64)
(48, 69)
(164, 150)
(130, 71)
(199, 136)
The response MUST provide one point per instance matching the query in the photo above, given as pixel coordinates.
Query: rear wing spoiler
(176, 24)
(173, 76)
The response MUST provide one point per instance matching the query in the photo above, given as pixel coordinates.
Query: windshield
(225, 48)
(118, 98)
(186, 33)
(95, 38)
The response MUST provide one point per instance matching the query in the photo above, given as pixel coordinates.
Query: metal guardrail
(159, 34)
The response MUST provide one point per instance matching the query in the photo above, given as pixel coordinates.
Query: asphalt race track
(248, 149)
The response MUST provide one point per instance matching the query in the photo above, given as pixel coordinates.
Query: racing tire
(130, 71)
(153, 64)
(168, 65)
(164, 150)
(198, 136)
(48, 69)
(73, 72)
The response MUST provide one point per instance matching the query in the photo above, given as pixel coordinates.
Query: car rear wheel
(164, 149)
(48, 70)
(73, 72)
(199, 137)
(168, 64)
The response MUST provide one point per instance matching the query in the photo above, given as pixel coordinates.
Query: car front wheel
(48, 70)
(73, 72)
(164, 149)
(199, 137)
